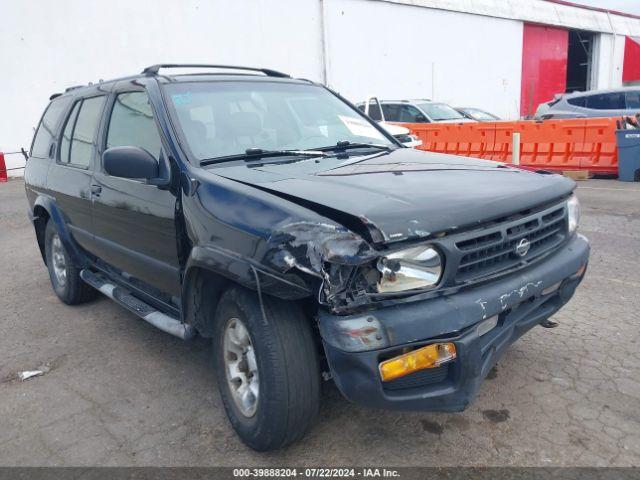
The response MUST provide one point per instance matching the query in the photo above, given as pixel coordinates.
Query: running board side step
(145, 311)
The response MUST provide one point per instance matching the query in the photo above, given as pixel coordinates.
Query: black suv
(271, 215)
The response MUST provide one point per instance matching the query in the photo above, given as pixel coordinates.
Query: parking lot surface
(120, 392)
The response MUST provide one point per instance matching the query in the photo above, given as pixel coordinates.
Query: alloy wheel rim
(59, 261)
(241, 367)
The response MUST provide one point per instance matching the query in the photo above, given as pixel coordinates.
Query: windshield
(220, 119)
(440, 111)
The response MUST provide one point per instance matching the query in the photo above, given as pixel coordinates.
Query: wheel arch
(209, 271)
(46, 210)
(40, 219)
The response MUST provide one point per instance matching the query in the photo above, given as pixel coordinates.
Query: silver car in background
(593, 103)
(477, 114)
(411, 111)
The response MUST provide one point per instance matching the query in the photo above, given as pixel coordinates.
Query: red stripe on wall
(544, 65)
(631, 66)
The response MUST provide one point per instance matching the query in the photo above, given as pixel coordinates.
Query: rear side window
(65, 142)
(46, 130)
(606, 101)
(576, 102)
(79, 136)
(132, 124)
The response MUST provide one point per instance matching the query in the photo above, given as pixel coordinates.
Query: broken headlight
(573, 213)
(415, 267)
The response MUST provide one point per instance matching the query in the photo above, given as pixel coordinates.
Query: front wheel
(267, 369)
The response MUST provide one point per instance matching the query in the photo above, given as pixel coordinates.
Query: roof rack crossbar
(154, 69)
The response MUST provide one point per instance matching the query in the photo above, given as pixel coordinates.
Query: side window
(577, 102)
(606, 101)
(65, 143)
(46, 128)
(409, 114)
(633, 99)
(391, 112)
(132, 124)
(79, 137)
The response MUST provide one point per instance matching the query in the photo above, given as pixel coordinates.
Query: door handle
(96, 190)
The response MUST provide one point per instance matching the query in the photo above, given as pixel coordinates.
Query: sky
(627, 6)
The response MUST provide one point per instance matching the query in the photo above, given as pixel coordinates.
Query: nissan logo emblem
(522, 248)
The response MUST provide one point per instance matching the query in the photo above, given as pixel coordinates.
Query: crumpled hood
(406, 193)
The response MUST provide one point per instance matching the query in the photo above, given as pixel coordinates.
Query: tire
(286, 359)
(64, 275)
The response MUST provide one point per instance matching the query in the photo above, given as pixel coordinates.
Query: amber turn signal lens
(430, 356)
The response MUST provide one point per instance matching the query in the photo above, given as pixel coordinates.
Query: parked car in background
(273, 217)
(402, 134)
(476, 114)
(594, 103)
(412, 111)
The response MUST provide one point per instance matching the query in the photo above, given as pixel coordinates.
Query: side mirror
(130, 162)
(421, 119)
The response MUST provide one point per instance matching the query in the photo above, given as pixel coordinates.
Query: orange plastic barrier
(600, 153)
(570, 144)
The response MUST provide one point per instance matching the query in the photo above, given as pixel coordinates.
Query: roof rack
(74, 87)
(154, 69)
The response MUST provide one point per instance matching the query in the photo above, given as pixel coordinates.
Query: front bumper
(521, 301)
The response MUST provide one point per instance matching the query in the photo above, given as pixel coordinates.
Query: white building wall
(46, 46)
(401, 51)
(464, 52)
(608, 61)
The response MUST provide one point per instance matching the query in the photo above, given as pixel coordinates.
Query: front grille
(494, 250)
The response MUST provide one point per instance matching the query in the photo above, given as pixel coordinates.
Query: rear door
(69, 178)
(133, 221)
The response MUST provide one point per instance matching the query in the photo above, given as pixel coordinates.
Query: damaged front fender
(328, 252)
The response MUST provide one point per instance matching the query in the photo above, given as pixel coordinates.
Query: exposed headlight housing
(409, 269)
(355, 334)
(573, 213)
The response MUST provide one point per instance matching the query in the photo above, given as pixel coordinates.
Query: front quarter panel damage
(236, 229)
(328, 252)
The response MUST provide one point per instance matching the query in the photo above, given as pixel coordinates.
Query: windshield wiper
(346, 145)
(256, 153)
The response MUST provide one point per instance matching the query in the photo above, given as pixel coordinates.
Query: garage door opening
(579, 61)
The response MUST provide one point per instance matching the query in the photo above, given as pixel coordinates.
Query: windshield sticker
(181, 98)
(360, 127)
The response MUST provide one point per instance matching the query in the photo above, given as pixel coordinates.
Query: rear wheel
(64, 275)
(267, 369)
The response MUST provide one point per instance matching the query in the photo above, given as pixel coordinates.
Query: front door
(133, 221)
